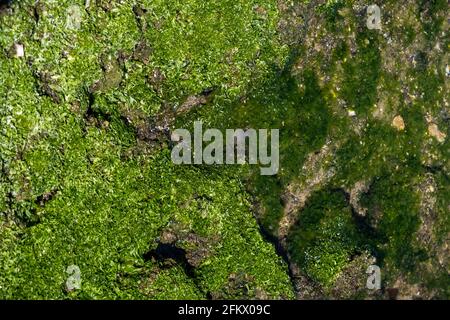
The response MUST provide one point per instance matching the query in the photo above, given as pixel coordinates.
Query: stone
(434, 131)
(398, 123)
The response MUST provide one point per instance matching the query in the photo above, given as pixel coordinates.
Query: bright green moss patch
(82, 181)
(220, 45)
(299, 110)
(104, 218)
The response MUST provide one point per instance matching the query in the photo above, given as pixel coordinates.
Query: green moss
(330, 10)
(433, 19)
(110, 211)
(298, 109)
(443, 202)
(79, 188)
(361, 73)
(325, 237)
(200, 45)
(394, 213)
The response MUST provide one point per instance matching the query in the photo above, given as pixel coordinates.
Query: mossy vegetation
(325, 237)
(80, 187)
(86, 177)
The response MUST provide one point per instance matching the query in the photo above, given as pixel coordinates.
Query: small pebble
(19, 50)
(398, 123)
